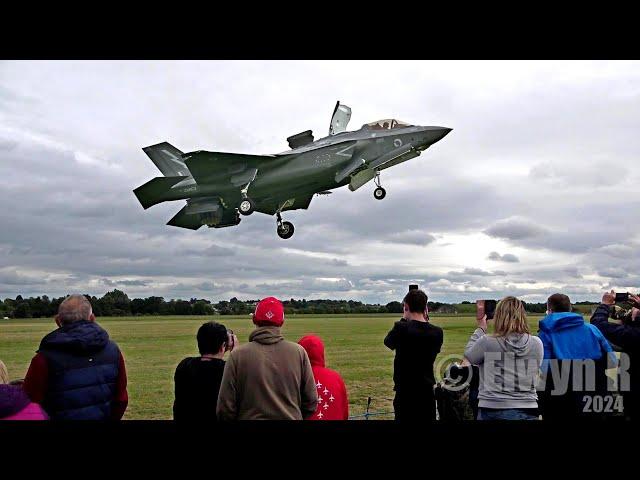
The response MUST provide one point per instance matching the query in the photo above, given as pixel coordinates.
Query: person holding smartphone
(626, 337)
(197, 379)
(508, 362)
(417, 343)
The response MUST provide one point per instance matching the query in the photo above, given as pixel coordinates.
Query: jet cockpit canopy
(387, 124)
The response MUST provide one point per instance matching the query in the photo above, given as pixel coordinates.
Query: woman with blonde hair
(509, 361)
(4, 375)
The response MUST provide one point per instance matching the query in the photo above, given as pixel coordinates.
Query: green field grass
(153, 346)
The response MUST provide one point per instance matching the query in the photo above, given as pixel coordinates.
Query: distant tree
(202, 308)
(182, 307)
(22, 310)
(394, 307)
(115, 302)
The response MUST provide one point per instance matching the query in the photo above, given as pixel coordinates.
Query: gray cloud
(515, 228)
(413, 237)
(507, 257)
(125, 283)
(598, 174)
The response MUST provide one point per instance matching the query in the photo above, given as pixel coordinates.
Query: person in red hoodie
(333, 403)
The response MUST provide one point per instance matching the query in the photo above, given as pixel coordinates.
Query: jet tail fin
(168, 159)
(153, 192)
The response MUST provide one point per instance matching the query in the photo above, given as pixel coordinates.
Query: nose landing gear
(285, 229)
(379, 193)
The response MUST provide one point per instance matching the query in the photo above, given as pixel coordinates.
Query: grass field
(153, 346)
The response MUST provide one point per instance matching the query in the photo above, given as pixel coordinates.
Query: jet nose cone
(440, 133)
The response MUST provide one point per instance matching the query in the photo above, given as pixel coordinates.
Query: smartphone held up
(622, 297)
(485, 307)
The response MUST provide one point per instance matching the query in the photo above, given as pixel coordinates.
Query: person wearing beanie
(15, 405)
(332, 393)
(14, 402)
(268, 378)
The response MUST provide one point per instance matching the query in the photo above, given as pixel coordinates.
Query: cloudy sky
(534, 191)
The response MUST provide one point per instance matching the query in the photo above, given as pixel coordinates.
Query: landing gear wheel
(246, 206)
(285, 230)
(379, 193)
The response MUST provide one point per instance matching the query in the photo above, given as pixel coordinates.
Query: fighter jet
(220, 187)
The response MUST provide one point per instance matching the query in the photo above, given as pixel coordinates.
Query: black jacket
(197, 384)
(627, 339)
(416, 344)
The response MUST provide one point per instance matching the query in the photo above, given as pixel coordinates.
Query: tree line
(118, 303)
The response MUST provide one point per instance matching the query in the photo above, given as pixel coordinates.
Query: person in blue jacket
(626, 337)
(576, 356)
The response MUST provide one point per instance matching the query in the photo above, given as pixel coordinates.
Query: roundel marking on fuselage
(397, 143)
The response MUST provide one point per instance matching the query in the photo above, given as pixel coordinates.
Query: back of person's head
(269, 313)
(416, 301)
(315, 349)
(4, 374)
(510, 317)
(74, 308)
(211, 336)
(558, 302)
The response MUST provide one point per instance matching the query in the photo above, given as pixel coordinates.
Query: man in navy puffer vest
(78, 373)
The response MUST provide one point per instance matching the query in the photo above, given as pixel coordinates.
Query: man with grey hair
(78, 373)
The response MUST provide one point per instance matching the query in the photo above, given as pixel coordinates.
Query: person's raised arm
(624, 336)
(392, 339)
(474, 351)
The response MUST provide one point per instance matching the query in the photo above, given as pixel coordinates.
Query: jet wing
(185, 220)
(271, 206)
(208, 167)
(151, 193)
(205, 211)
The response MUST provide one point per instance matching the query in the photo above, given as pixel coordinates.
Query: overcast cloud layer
(535, 190)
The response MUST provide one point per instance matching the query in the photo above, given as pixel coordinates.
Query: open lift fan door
(340, 119)
(300, 139)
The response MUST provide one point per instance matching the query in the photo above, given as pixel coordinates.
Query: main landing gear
(285, 229)
(246, 206)
(379, 193)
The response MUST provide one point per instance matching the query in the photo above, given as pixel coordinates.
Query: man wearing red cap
(268, 378)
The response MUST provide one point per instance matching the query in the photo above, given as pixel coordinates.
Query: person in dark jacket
(417, 343)
(571, 344)
(197, 379)
(78, 373)
(627, 338)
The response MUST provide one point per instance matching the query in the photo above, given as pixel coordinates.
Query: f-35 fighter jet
(220, 187)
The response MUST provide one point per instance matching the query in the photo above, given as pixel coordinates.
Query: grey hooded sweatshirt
(509, 368)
